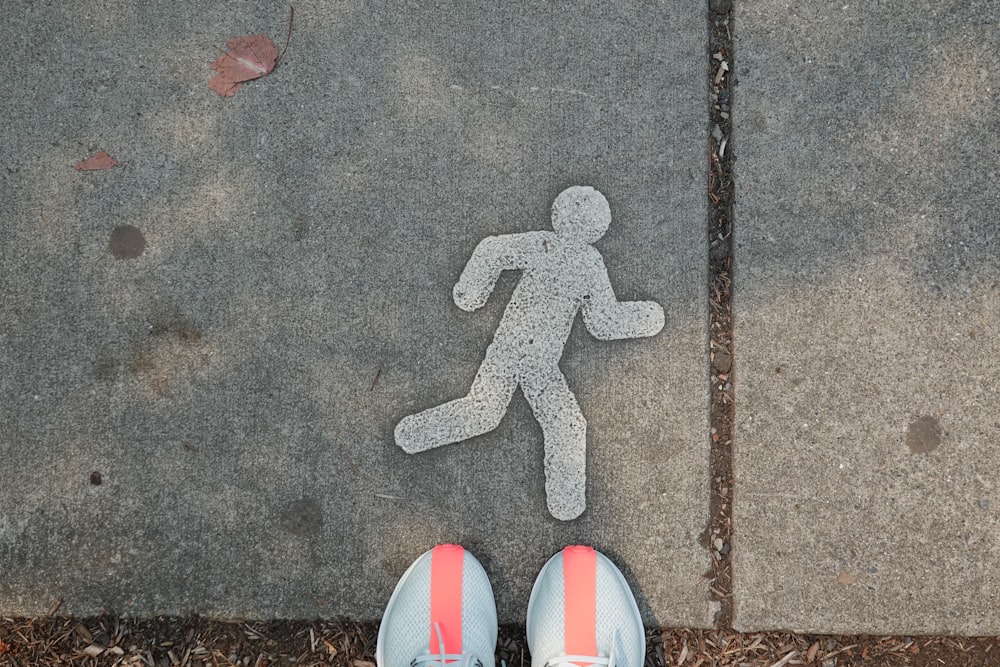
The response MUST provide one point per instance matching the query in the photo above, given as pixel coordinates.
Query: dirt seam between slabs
(720, 191)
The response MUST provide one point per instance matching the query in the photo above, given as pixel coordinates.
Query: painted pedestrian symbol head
(581, 212)
(561, 274)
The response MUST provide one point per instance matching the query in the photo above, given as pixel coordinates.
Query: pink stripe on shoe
(580, 585)
(446, 597)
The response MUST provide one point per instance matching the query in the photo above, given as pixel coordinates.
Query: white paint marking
(561, 274)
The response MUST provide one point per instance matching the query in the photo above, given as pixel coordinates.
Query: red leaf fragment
(249, 58)
(97, 161)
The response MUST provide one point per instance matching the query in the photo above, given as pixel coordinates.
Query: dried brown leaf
(846, 579)
(249, 57)
(96, 162)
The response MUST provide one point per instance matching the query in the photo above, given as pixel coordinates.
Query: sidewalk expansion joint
(718, 536)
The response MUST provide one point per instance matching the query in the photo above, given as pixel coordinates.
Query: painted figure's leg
(565, 433)
(464, 418)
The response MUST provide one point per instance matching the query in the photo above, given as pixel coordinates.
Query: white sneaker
(442, 613)
(581, 613)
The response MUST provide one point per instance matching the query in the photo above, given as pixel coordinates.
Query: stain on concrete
(175, 349)
(105, 366)
(301, 227)
(303, 517)
(924, 435)
(169, 320)
(127, 242)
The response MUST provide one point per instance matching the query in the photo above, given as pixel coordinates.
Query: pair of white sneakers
(581, 613)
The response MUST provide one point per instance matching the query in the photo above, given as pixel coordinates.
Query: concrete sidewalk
(866, 292)
(203, 419)
(236, 383)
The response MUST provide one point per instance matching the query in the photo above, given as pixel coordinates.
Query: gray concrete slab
(237, 384)
(867, 278)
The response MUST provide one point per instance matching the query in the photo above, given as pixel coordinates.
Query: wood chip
(93, 650)
(839, 651)
(784, 661)
(723, 68)
(813, 650)
(84, 633)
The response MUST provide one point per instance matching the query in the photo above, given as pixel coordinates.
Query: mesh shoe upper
(442, 586)
(580, 586)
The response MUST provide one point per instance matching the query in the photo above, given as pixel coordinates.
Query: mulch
(720, 191)
(198, 642)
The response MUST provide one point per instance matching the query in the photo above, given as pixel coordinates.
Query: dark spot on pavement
(173, 348)
(167, 319)
(127, 242)
(303, 517)
(105, 366)
(923, 435)
(301, 227)
(95, 478)
(141, 362)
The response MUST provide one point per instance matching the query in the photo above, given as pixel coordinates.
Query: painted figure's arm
(607, 318)
(493, 255)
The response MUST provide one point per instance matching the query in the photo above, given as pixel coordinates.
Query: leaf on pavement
(249, 58)
(99, 160)
(846, 579)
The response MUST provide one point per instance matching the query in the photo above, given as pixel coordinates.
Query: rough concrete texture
(867, 281)
(233, 367)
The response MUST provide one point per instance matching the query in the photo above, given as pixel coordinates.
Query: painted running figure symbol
(562, 273)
